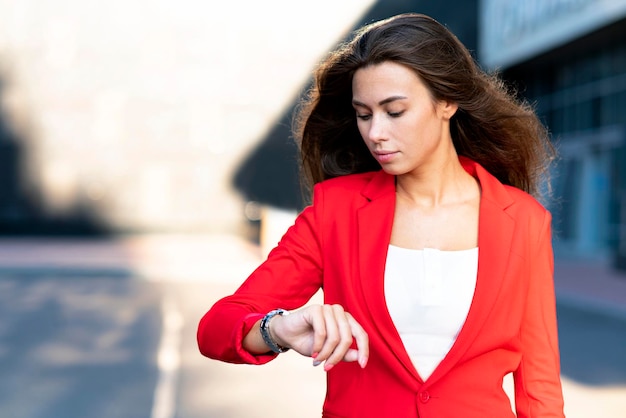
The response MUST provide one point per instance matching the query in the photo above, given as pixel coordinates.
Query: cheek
(423, 127)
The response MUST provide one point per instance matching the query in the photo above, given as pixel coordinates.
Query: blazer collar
(495, 233)
(382, 184)
(491, 187)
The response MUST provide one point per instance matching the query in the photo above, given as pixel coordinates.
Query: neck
(441, 183)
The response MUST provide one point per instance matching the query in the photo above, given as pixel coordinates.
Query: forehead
(386, 78)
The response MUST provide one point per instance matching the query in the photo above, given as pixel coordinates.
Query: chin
(394, 171)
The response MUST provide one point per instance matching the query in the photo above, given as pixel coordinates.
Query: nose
(377, 130)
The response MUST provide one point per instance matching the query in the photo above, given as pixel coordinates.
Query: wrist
(275, 344)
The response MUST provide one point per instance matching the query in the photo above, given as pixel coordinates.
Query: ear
(448, 109)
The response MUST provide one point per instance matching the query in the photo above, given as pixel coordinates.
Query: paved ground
(106, 328)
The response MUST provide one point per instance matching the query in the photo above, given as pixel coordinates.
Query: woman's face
(404, 128)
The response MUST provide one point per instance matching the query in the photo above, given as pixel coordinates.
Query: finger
(362, 341)
(332, 334)
(318, 323)
(361, 354)
(344, 338)
(351, 355)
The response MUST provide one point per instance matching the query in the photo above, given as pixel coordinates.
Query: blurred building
(141, 116)
(569, 57)
(132, 116)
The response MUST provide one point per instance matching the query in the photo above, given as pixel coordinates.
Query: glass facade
(579, 91)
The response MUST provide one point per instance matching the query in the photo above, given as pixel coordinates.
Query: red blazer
(340, 244)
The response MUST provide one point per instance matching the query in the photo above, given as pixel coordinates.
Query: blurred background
(147, 166)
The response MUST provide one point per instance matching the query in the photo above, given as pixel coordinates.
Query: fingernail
(314, 355)
(327, 367)
(316, 363)
(363, 362)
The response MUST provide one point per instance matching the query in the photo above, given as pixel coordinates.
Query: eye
(395, 114)
(364, 117)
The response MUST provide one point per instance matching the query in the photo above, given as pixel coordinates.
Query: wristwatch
(265, 330)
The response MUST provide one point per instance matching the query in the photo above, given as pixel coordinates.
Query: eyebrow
(381, 103)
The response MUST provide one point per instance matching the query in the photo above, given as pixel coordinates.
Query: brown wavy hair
(491, 126)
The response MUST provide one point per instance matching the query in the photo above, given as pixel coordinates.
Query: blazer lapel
(495, 233)
(375, 220)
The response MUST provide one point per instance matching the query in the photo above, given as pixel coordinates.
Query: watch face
(265, 331)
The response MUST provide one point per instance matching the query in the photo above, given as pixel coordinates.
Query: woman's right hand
(323, 332)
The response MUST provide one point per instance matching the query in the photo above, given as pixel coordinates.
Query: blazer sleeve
(288, 278)
(538, 390)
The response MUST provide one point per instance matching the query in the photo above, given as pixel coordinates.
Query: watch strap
(265, 330)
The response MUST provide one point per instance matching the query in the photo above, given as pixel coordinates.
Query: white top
(428, 294)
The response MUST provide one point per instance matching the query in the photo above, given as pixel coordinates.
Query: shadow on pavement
(77, 347)
(592, 346)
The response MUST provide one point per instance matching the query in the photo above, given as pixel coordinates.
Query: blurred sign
(513, 30)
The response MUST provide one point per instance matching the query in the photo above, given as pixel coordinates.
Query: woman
(435, 261)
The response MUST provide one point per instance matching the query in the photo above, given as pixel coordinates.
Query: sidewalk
(185, 257)
(189, 273)
(195, 270)
(591, 285)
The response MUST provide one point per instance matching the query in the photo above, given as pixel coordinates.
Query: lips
(384, 156)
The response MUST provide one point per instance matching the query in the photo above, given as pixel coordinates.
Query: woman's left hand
(323, 332)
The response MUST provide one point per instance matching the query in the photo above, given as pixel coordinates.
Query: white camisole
(428, 294)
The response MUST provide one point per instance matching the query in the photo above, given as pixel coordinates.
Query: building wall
(137, 113)
(577, 80)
